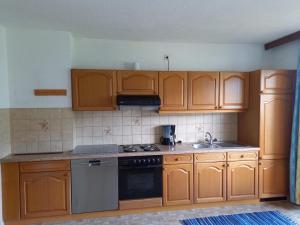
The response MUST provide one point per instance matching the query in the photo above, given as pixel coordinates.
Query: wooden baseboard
(129, 211)
(140, 203)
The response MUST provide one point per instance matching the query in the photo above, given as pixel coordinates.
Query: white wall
(282, 57)
(4, 87)
(38, 59)
(97, 53)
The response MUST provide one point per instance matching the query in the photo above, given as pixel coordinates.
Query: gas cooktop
(139, 148)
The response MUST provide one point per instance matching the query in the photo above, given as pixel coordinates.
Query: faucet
(209, 138)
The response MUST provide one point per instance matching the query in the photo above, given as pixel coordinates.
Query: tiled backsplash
(136, 125)
(43, 130)
(5, 146)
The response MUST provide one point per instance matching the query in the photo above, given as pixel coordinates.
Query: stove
(139, 148)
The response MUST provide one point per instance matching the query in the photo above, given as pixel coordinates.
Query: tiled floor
(173, 217)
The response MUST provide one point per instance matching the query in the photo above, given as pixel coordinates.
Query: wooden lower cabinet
(242, 180)
(273, 178)
(45, 194)
(178, 184)
(209, 182)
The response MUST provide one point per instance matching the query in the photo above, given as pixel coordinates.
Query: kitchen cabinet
(178, 180)
(93, 89)
(276, 115)
(273, 178)
(242, 180)
(209, 182)
(45, 188)
(173, 91)
(45, 194)
(203, 90)
(268, 123)
(234, 90)
(277, 81)
(137, 82)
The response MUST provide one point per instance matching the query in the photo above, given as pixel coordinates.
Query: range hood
(142, 100)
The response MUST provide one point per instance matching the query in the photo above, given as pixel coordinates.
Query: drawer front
(45, 166)
(210, 157)
(237, 156)
(177, 159)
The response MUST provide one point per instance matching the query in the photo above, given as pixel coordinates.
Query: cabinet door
(242, 180)
(210, 182)
(45, 194)
(93, 89)
(273, 178)
(178, 184)
(137, 82)
(276, 116)
(234, 90)
(203, 90)
(173, 90)
(278, 81)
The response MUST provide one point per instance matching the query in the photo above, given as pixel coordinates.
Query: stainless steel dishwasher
(94, 185)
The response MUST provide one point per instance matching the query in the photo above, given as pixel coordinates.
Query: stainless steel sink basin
(204, 145)
(217, 145)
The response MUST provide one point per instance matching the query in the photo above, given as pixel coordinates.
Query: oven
(140, 177)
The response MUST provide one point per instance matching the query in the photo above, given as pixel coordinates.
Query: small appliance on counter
(169, 136)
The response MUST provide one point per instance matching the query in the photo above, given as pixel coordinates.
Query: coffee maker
(168, 132)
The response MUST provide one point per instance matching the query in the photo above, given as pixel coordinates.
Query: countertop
(165, 150)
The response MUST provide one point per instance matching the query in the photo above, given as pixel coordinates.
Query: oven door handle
(139, 167)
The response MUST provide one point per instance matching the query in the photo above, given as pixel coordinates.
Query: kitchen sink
(204, 145)
(217, 145)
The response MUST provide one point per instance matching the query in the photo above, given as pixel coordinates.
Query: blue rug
(255, 218)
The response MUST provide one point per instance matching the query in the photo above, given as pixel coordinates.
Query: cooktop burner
(139, 148)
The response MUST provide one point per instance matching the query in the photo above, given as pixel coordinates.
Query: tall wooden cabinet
(93, 89)
(268, 124)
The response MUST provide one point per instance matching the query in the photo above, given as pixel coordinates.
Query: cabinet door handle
(220, 107)
(223, 165)
(216, 107)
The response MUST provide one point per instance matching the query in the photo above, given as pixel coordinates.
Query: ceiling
(206, 21)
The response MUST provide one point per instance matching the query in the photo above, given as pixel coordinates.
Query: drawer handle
(242, 156)
(176, 159)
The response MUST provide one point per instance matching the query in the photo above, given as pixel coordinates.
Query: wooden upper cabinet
(273, 178)
(234, 90)
(276, 115)
(173, 90)
(178, 184)
(45, 194)
(93, 89)
(210, 182)
(137, 82)
(203, 90)
(277, 81)
(242, 180)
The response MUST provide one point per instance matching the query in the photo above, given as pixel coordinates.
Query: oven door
(140, 182)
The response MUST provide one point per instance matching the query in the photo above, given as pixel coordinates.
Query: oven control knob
(149, 160)
(158, 160)
(134, 161)
(139, 161)
(144, 161)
